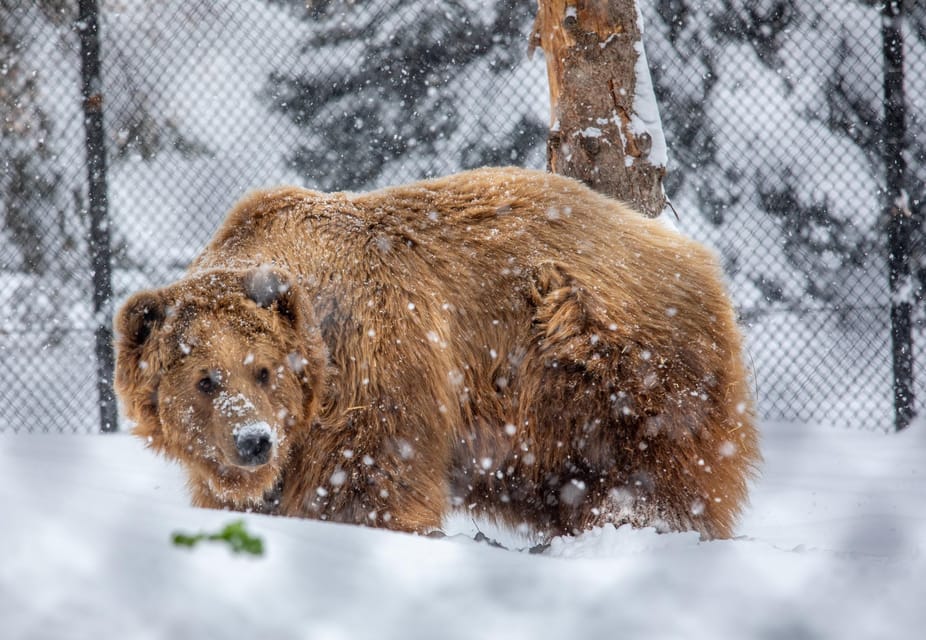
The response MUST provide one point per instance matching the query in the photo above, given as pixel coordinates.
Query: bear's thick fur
(502, 340)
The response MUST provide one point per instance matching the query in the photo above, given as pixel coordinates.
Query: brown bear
(502, 340)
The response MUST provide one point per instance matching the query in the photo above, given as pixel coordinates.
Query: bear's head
(222, 371)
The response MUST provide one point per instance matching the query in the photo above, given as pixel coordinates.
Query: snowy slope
(834, 546)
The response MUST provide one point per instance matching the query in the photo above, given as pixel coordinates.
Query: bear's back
(520, 208)
(477, 235)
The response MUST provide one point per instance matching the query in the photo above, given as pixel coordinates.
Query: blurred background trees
(398, 76)
(772, 111)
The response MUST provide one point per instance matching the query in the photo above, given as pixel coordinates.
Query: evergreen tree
(43, 246)
(395, 84)
(29, 181)
(773, 111)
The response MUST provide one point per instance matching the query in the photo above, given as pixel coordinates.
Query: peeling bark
(591, 49)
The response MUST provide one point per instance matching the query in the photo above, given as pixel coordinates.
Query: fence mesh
(772, 113)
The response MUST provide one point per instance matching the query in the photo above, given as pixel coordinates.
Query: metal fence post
(100, 252)
(900, 220)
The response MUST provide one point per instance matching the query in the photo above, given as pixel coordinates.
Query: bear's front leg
(382, 469)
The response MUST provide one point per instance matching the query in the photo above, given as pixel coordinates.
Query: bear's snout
(254, 443)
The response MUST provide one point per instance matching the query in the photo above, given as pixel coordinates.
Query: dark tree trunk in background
(899, 215)
(591, 48)
(100, 253)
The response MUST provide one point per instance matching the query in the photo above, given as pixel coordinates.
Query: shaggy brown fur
(502, 340)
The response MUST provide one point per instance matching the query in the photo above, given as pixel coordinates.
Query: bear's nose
(254, 443)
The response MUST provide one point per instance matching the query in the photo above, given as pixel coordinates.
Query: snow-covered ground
(833, 546)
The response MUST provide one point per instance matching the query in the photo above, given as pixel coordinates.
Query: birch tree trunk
(605, 128)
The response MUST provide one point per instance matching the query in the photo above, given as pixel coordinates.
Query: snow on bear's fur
(502, 340)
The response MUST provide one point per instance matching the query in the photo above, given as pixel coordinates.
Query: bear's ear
(271, 288)
(138, 318)
(136, 379)
(279, 291)
(265, 285)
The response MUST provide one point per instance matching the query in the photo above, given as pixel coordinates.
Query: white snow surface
(831, 547)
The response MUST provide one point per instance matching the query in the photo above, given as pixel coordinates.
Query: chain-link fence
(773, 113)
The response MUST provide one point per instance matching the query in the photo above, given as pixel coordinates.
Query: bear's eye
(263, 375)
(206, 384)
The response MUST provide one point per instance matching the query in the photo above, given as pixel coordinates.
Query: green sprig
(234, 534)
